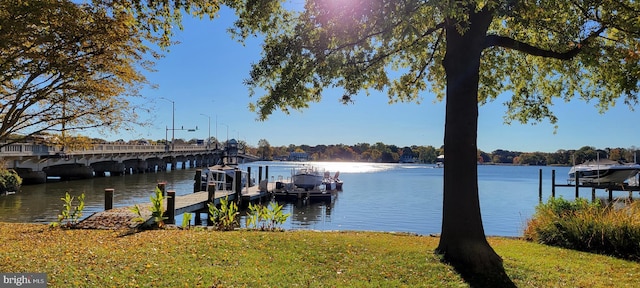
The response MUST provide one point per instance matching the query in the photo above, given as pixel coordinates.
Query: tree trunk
(463, 243)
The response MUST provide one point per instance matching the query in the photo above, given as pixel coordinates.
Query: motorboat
(339, 182)
(603, 171)
(332, 183)
(440, 161)
(307, 177)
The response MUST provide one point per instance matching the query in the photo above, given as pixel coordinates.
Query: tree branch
(506, 42)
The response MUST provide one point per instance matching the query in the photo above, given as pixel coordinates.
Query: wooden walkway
(125, 218)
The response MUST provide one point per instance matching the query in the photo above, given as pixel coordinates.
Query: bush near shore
(9, 181)
(593, 227)
(203, 258)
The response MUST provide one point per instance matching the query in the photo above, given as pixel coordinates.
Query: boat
(331, 183)
(307, 177)
(338, 181)
(440, 161)
(603, 171)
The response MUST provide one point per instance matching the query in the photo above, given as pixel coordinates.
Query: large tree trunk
(463, 243)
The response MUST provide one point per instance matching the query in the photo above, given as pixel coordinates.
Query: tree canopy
(66, 66)
(467, 53)
(74, 65)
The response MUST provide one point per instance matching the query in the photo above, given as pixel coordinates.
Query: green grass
(192, 258)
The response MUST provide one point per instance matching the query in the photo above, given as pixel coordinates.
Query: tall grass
(612, 229)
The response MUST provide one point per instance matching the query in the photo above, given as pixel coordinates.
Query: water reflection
(41, 203)
(309, 214)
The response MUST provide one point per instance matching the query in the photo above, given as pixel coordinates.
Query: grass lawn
(197, 258)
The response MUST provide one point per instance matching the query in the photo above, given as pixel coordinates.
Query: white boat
(307, 177)
(440, 161)
(603, 171)
(339, 182)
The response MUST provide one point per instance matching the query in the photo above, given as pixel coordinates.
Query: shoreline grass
(193, 258)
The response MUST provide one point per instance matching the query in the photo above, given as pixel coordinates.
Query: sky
(203, 75)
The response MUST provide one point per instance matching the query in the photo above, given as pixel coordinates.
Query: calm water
(381, 197)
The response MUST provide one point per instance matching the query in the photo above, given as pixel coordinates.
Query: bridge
(36, 162)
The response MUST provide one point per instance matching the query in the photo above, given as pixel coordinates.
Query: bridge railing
(31, 149)
(26, 149)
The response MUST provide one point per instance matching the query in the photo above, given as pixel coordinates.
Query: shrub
(266, 217)
(9, 180)
(226, 217)
(69, 215)
(156, 208)
(613, 229)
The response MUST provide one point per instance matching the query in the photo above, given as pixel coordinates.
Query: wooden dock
(608, 187)
(197, 202)
(125, 218)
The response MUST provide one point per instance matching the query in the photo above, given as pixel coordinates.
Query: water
(379, 197)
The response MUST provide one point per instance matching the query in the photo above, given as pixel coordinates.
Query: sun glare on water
(353, 167)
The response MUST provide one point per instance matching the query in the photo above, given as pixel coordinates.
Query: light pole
(208, 139)
(227, 130)
(173, 120)
(217, 132)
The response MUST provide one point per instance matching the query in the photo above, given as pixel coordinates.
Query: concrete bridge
(35, 162)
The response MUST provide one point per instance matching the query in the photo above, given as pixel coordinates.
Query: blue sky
(204, 75)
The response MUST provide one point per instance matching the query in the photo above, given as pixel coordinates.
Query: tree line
(385, 153)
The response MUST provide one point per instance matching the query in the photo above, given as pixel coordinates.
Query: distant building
(298, 156)
(407, 159)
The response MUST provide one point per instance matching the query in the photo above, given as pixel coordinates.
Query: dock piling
(540, 185)
(170, 213)
(577, 175)
(211, 188)
(553, 183)
(197, 183)
(108, 199)
(238, 186)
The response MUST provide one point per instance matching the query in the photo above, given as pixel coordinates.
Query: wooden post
(171, 207)
(197, 185)
(593, 194)
(259, 174)
(266, 172)
(610, 194)
(540, 186)
(197, 221)
(248, 176)
(553, 183)
(238, 186)
(577, 176)
(211, 188)
(162, 186)
(108, 199)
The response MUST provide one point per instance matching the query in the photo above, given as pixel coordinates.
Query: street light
(173, 121)
(227, 131)
(208, 139)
